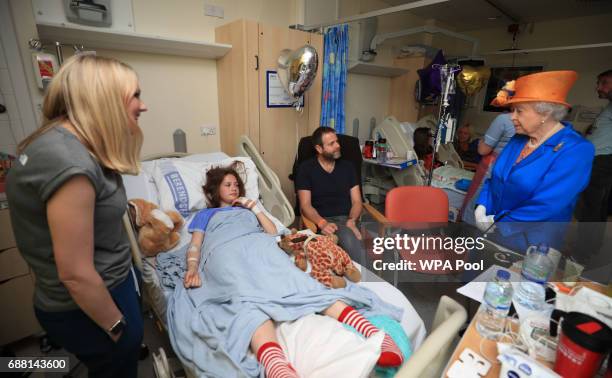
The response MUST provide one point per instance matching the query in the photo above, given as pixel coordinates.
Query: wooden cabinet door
(238, 84)
(281, 128)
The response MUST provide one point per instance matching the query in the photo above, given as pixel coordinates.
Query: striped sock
(272, 357)
(390, 355)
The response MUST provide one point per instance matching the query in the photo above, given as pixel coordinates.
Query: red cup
(583, 344)
(368, 149)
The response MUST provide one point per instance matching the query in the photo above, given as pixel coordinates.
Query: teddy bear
(157, 230)
(329, 262)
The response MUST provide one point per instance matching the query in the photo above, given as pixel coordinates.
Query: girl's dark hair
(214, 178)
(421, 142)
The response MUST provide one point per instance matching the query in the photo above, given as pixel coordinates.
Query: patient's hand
(192, 279)
(329, 229)
(244, 202)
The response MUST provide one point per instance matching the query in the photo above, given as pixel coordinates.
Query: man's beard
(331, 156)
(604, 95)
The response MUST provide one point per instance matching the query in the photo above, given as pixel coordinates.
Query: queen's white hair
(556, 111)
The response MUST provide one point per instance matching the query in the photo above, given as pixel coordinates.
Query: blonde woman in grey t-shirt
(67, 200)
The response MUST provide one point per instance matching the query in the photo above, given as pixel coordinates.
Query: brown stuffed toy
(157, 230)
(329, 262)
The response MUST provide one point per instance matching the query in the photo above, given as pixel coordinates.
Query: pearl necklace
(532, 146)
(551, 132)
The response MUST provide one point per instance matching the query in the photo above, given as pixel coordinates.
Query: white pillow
(249, 175)
(319, 346)
(179, 182)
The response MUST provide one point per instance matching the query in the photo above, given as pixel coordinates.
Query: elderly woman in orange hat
(543, 168)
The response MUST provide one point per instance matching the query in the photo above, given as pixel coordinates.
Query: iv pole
(447, 72)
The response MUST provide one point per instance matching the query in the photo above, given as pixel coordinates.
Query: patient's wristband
(322, 223)
(257, 208)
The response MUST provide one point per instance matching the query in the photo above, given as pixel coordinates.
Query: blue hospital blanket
(246, 280)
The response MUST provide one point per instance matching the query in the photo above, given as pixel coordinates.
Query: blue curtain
(335, 63)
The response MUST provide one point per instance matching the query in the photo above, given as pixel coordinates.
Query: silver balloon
(297, 69)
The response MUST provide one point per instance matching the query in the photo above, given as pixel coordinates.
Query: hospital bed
(156, 295)
(379, 180)
(399, 136)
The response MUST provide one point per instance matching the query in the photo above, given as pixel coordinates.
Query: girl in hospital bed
(244, 282)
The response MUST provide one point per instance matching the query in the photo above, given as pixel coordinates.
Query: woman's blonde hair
(92, 93)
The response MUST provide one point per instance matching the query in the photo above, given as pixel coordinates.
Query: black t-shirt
(330, 192)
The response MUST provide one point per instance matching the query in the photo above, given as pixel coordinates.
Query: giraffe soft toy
(329, 262)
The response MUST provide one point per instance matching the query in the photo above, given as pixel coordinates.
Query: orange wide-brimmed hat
(550, 86)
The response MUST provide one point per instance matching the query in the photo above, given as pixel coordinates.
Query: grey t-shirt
(45, 165)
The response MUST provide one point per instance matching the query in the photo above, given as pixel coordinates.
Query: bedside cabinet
(17, 319)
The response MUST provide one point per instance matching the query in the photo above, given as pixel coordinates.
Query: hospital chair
(430, 359)
(418, 208)
(350, 150)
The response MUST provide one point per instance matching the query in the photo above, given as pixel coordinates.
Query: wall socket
(213, 10)
(207, 130)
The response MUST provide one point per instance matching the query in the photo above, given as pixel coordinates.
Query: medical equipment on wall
(45, 65)
(445, 130)
(89, 12)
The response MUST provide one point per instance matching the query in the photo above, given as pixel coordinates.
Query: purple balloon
(430, 81)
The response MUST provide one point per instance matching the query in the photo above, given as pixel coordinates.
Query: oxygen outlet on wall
(213, 10)
(208, 130)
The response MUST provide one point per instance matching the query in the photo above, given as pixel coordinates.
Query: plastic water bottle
(495, 306)
(537, 269)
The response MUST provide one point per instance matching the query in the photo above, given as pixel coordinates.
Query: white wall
(180, 92)
(587, 62)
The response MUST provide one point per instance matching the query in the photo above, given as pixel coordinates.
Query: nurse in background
(495, 139)
(541, 171)
(67, 200)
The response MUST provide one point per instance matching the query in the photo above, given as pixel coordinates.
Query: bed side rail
(272, 196)
(129, 228)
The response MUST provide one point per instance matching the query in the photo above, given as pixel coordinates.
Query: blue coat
(543, 187)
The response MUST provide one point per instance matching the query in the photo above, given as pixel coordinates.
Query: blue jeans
(78, 334)
(347, 240)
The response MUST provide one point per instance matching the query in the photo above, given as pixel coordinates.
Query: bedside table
(17, 318)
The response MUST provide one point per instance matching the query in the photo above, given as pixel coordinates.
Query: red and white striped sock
(390, 355)
(272, 357)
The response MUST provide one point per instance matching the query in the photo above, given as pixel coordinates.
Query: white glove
(483, 221)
